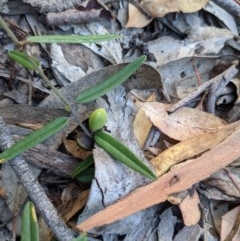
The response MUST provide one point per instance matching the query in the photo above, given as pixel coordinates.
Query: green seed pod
(97, 119)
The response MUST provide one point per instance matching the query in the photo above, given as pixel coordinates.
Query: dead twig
(34, 189)
(72, 16)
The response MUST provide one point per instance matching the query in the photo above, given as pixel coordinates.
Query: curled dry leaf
(182, 124)
(187, 149)
(159, 8)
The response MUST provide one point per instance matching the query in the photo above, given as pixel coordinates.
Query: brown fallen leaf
(190, 148)
(73, 148)
(182, 124)
(174, 181)
(190, 209)
(159, 8)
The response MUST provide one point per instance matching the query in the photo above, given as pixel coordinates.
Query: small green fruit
(97, 119)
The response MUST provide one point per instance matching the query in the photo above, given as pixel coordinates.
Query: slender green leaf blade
(75, 39)
(121, 153)
(82, 166)
(82, 237)
(23, 59)
(33, 139)
(29, 228)
(86, 176)
(110, 83)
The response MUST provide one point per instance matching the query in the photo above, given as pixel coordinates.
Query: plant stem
(8, 31)
(55, 90)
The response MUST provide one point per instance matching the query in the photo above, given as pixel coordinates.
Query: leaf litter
(181, 56)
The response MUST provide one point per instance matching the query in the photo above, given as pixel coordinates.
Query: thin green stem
(55, 90)
(8, 31)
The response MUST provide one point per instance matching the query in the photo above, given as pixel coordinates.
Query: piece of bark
(16, 114)
(176, 180)
(54, 161)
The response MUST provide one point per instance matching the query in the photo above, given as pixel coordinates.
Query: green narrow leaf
(33, 139)
(29, 228)
(23, 59)
(86, 176)
(82, 166)
(110, 83)
(72, 38)
(82, 237)
(121, 153)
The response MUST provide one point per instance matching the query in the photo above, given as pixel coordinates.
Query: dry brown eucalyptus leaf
(187, 149)
(184, 123)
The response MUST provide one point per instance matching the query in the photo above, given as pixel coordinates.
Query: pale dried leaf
(136, 18)
(190, 209)
(184, 123)
(159, 8)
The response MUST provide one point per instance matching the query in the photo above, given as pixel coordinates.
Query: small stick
(34, 189)
(227, 74)
(199, 80)
(72, 16)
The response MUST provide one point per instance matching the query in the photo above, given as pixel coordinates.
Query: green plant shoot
(29, 228)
